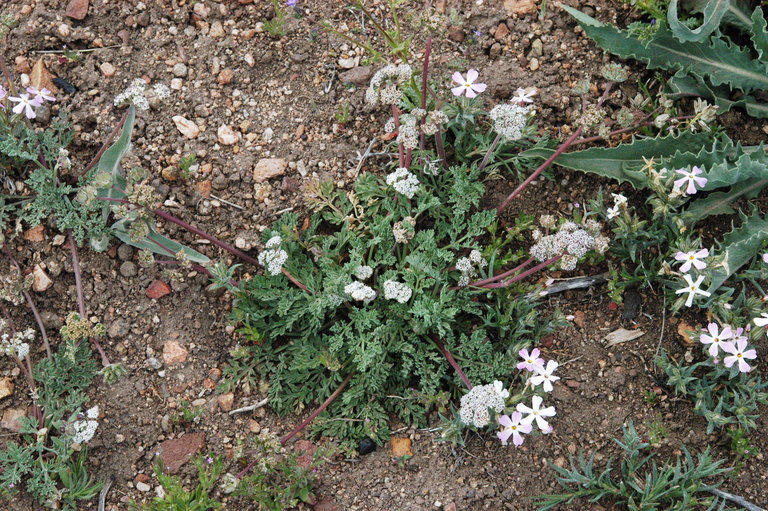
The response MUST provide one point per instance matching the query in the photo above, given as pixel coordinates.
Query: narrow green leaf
(110, 163)
(623, 162)
(721, 62)
(713, 13)
(738, 247)
(120, 230)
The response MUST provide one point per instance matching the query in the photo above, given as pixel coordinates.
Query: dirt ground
(282, 96)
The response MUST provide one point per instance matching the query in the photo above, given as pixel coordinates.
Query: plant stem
(424, 83)
(523, 275)
(490, 151)
(560, 150)
(306, 422)
(32, 306)
(440, 147)
(502, 275)
(396, 117)
(447, 354)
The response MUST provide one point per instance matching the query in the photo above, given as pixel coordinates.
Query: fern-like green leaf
(721, 62)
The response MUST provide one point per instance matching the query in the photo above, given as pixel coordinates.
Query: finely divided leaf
(717, 60)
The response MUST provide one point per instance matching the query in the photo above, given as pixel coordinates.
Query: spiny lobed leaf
(719, 61)
(713, 14)
(624, 161)
(738, 247)
(684, 85)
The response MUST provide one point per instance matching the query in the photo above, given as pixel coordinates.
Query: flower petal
(472, 75)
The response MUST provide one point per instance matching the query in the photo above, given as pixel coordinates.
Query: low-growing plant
(188, 165)
(640, 483)
(177, 498)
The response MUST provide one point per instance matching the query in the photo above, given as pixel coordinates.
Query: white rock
(143, 487)
(65, 30)
(267, 168)
(348, 63)
(268, 134)
(227, 136)
(176, 83)
(41, 280)
(187, 128)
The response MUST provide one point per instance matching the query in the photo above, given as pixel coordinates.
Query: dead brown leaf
(41, 78)
(685, 330)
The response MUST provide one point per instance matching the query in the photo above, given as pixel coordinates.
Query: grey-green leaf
(623, 162)
(685, 85)
(120, 230)
(738, 247)
(713, 14)
(721, 203)
(759, 34)
(110, 163)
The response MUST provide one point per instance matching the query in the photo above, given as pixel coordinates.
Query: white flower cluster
(509, 120)
(468, 266)
(408, 133)
(136, 94)
(384, 84)
(394, 290)
(404, 230)
(81, 431)
(432, 123)
(476, 402)
(363, 272)
(573, 241)
(273, 257)
(360, 292)
(14, 344)
(404, 182)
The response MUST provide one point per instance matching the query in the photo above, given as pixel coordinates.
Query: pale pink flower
(524, 95)
(3, 93)
(25, 105)
(692, 178)
(692, 258)
(467, 86)
(41, 95)
(739, 353)
(716, 338)
(765, 256)
(512, 427)
(536, 413)
(545, 376)
(530, 360)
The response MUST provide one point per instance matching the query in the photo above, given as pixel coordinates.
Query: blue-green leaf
(120, 230)
(738, 247)
(713, 13)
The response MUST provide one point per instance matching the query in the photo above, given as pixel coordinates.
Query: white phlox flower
(693, 289)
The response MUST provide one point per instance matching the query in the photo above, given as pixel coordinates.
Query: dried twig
(103, 493)
(571, 284)
(252, 407)
(735, 498)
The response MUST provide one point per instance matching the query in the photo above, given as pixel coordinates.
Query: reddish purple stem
(524, 274)
(452, 361)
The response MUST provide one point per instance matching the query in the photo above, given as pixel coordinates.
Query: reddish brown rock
(35, 234)
(226, 401)
(11, 418)
(307, 452)
(226, 76)
(158, 289)
(501, 32)
(175, 453)
(77, 9)
(326, 504)
(519, 7)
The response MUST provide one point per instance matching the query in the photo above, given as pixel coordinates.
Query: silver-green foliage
(704, 61)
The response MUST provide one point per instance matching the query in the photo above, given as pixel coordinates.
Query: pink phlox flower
(514, 428)
(524, 95)
(739, 353)
(545, 376)
(765, 256)
(536, 413)
(530, 360)
(692, 258)
(467, 86)
(693, 289)
(41, 95)
(25, 105)
(716, 338)
(692, 178)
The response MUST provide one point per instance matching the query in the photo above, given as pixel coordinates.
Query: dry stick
(32, 306)
(396, 117)
(424, 80)
(80, 300)
(737, 499)
(452, 361)
(560, 150)
(624, 130)
(104, 146)
(304, 424)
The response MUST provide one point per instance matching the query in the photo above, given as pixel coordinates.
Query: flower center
(738, 355)
(691, 176)
(693, 289)
(691, 258)
(514, 428)
(467, 85)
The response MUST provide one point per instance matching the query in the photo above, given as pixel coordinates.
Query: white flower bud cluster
(273, 257)
(363, 272)
(136, 94)
(476, 402)
(14, 344)
(509, 120)
(82, 431)
(572, 241)
(469, 266)
(408, 133)
(404, 182)
(433, 121)
(404, 230)
(394, 290)
(360, 292)
(384, 84)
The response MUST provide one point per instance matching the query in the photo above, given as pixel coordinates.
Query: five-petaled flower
(530, 360)
(692, 178)
(692, 258)
(612, 212)
(739, 352)
(514, 428)
(523, 95)
(41, 95)
(762, 320)
(25, 105)
(545, 376)
(693, 289)
(500, 390)
(467, 86)
(536, 413)
(716, 338)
